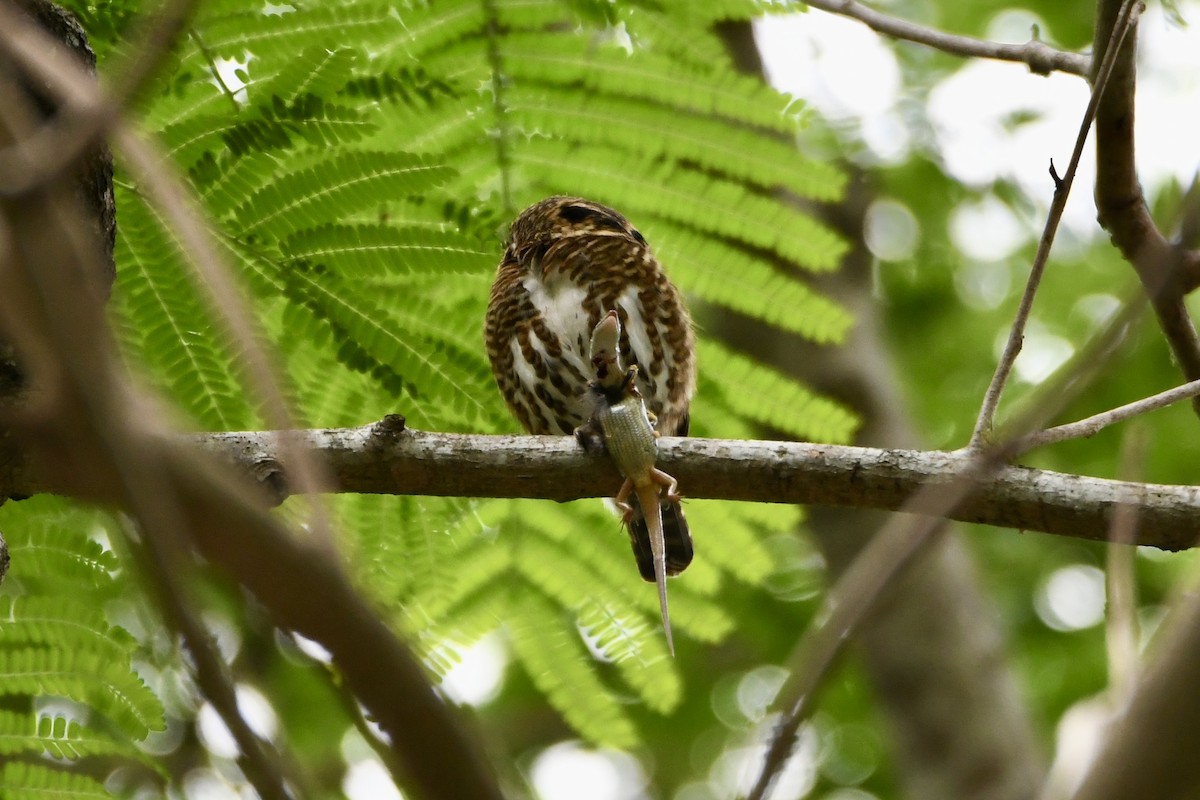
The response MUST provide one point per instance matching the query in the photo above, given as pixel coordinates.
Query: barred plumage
(567, 262)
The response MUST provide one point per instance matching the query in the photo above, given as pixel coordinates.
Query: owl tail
(676, 536)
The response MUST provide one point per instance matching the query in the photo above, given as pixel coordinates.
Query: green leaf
(378, 251)
(761, 394)
(108, 687)
(557, 662)
(332, 188)
(23, 781)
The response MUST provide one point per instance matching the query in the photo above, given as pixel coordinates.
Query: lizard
(621, 424)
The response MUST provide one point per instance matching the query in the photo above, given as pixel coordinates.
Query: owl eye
(598, 217)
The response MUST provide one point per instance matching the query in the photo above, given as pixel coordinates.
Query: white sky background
(847, 73)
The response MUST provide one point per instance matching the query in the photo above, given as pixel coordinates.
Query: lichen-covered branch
(384, 458)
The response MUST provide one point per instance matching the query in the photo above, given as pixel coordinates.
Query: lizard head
(605, 353)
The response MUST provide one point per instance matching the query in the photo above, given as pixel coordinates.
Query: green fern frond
(56, 641)
(649, 76)
(371, 341)
(639, 650)
(310, 119)
(440, 643)
(477, 567)
(362, 251)
(51, 546)
(58, 737)
(108, 688)
(733, 539)
(727, 276)
(333, 188)
(192, 93)
(412, 532)
(707, 204)
(431, 28)
(224, 184)
(557, 662)
(577, 568)
(277, 38)
(698, 51)
(60, 621)
(517, 15)
(20, 780)
(187, 140)
(410, 85)
(663, 132)
(318, 72)
(447, 129)
(759, 393)
(350, 400)
(174, 331)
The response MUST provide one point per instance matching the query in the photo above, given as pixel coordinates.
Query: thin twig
(1016, 334)
(208, 57)
(1090, 426)
(1041, 58)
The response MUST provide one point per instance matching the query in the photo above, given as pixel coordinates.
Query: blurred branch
(1149, 749)
(1121, 623)
(382, 459)
(1041, 58)
(858, 592)
(163, 563)
(85, 429)
(96, 110)
(88, 111)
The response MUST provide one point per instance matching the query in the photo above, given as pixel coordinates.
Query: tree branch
(383, 458)
(1166, 271)
(1092, 425)
(1041, 58)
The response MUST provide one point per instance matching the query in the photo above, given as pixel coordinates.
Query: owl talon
(589, 438)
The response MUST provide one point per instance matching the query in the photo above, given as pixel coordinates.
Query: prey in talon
(621, 423)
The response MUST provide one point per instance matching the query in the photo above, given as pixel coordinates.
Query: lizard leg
(622, 500)
(672, 485)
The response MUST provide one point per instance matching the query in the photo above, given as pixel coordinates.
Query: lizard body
(625, 427)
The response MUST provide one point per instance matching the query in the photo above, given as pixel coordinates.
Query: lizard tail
(676, 536)
(648, 498)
